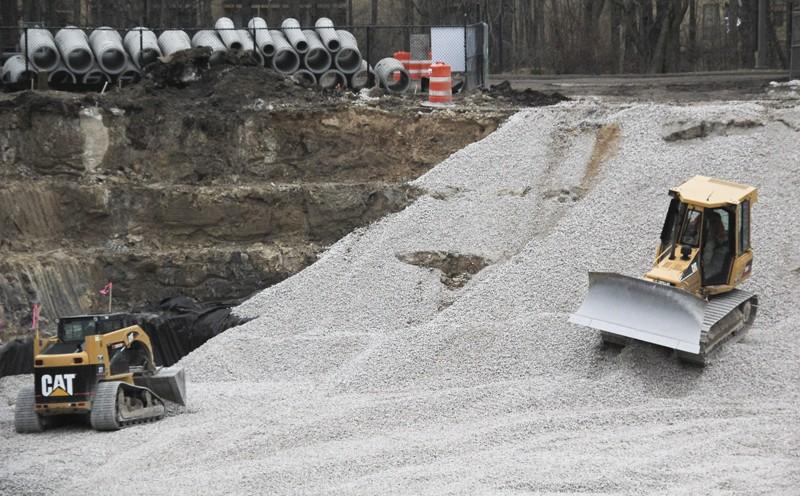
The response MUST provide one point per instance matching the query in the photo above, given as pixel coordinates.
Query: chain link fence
(464, 48)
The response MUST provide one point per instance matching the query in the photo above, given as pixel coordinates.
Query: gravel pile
(364, 374)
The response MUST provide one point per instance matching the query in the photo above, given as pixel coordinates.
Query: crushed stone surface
(355, 378)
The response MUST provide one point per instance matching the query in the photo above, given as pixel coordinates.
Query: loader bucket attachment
(642, 310)
(169, 383)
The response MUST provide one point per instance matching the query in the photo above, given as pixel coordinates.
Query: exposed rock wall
(193, 199)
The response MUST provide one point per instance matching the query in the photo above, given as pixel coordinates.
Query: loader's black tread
(105, 414)
(25, 417)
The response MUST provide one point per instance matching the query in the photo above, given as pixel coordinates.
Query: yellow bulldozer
(101, 367)
(688, 301)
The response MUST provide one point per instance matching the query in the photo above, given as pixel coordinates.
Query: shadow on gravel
(681, 131)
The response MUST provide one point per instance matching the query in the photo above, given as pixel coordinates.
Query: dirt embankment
(214, 190)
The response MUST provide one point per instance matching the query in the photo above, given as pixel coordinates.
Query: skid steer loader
(100, 366)
(688, 301)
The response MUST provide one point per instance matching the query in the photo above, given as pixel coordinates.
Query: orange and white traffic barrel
(405, 59)
(441, 83)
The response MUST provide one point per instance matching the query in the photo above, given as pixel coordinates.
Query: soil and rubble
(355, 378)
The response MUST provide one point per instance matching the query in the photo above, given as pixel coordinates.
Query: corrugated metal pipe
(348, 58)
(174, 40)
(317, 59)
(76, 53)
(332, 79)
(291, 29)
(40, 49)
(108, 50)
(263, 38)
(361, 78)
(227, 32)
(142, 46)
(285, 60)
(327, 34)
(14, 70)
(389, 68)
(210, 39)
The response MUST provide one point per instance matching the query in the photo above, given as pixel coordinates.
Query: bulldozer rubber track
(25, 417)
(105, 415)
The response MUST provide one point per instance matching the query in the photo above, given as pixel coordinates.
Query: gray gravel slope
(364, 374)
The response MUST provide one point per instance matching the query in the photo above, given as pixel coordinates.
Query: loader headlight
(101, 370)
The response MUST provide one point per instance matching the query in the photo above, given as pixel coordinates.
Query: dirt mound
(526, 97)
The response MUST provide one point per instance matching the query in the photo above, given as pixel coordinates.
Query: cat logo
(57, 385)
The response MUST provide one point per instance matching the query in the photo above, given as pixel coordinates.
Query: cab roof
(709, 192)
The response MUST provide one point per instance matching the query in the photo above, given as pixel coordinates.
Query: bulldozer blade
(169, 383)
(642, 310)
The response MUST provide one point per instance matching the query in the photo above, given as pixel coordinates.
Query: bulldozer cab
(705, 242)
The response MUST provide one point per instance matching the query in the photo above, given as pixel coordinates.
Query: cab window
(691, 232)
(744, 226)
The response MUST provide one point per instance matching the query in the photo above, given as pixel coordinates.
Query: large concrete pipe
(14, 70)
(174, 40)
(291, 29)
(130, 74)
(331, 79)
(249, 47)
(317, 59)
(361, 78)
(142, 46)
(40, 48)
(285, 60)
(76, 53)
(305, 77)
(227, 32)
(327, 34)
(61, 75)
(210, 39)
(108, 50)
(95, 76)
(263, 39)
(348, 58)
(392, 75)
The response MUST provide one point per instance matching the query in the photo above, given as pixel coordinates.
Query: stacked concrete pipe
(95, 76)
(317, 59)
(76, 54)
(174, 40)
(210, 39)
(130, 74)
(61, 75)
(386, 69)
(142, 46)
(361, 78)
(291, 29)
(249, 47)
(227, 32)
(348, 58)
(327, 34)
(285, 60)
(263, 39)
(331, 79)
(305, 77)
(107, 46)
(15, 71)
(40, 48)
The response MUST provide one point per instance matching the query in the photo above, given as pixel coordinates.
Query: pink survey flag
(107, 288)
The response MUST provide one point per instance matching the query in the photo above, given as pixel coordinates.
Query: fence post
(369, 45)
(795, 50)
(27, 69)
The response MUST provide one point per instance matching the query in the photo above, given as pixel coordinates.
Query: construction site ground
(428, 350)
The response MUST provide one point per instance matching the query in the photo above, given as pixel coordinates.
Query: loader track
(119, 404)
